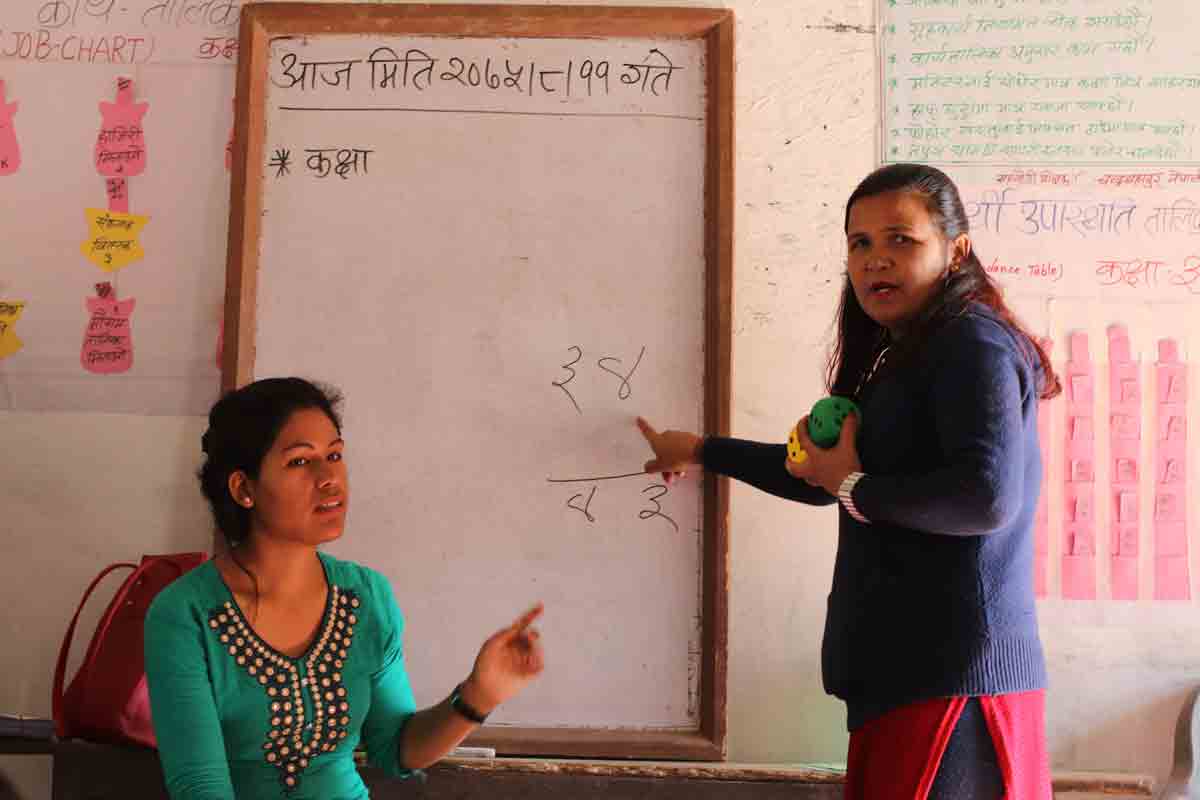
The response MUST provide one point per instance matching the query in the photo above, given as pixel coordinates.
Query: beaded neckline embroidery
(297, 735)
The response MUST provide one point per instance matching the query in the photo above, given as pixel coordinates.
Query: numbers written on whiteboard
(609, 364)
(323, 162)
(581, 502)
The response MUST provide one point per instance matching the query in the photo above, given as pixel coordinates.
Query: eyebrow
(298, 445)
(890, 228)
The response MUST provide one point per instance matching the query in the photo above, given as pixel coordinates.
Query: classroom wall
(81, 490)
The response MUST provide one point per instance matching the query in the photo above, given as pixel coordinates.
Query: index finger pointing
(525, 620)
(647, 430)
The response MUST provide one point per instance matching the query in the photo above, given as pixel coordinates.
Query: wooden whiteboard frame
(261, 23)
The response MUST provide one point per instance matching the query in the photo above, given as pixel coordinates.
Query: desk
(85, 771)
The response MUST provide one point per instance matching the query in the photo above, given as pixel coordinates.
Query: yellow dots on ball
(796, 453)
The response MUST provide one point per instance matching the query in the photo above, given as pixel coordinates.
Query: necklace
(880, 360)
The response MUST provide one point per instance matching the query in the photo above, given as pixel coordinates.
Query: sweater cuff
(845, 496)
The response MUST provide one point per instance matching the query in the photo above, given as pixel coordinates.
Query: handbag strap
(61, 667)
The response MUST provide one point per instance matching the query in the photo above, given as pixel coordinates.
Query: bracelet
(846, 498)
(464, 708)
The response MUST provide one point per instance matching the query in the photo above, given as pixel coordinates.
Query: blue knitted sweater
(933, 598)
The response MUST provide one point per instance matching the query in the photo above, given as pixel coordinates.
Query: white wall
(82, 490)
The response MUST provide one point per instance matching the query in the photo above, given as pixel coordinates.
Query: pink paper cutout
(10, 150)
(108, 340)
(1124, 440)
(118, 194)
(121, 143)
(1041, 517)
(1079, 531)
(1172, 580)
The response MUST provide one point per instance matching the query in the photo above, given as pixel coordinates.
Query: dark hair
(242, 426)
(861, 340)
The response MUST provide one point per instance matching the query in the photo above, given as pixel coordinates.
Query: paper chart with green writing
(1039, 82)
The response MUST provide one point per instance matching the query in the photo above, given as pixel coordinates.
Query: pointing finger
(647, 430)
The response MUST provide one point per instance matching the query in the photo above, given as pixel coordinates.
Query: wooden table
(83, 770)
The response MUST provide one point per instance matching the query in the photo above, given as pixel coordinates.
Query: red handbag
(107, 700)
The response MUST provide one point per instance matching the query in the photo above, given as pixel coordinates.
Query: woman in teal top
(269, 664)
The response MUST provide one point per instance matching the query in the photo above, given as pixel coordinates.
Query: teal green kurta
(235, 718)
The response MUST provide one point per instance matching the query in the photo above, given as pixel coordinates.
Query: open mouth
(330, 506)
(882, 289)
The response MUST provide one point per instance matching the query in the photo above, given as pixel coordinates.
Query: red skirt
(896, 756)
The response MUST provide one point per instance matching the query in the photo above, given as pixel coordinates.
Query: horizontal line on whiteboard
(599, 478)
(487, 111)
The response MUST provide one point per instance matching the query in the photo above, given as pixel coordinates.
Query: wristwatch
(845, 495)
(464, 708)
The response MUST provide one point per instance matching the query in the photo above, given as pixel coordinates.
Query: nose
(327, 477)
(877, 261)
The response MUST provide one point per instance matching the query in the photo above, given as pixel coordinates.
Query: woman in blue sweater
(931, 633)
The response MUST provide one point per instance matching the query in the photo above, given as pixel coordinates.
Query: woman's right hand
(674, 451)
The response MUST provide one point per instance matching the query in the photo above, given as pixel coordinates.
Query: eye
(335, 456)
(298, 461)
(856, 244)
(900, 238)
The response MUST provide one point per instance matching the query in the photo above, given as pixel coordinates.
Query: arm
(509, 659)
(399, 738)
(191, 746)
(393, 707)
(761, 466)
(978, 395)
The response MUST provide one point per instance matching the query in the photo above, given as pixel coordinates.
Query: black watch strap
(464, 708)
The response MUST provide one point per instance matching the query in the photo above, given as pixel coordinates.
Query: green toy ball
(825, 420)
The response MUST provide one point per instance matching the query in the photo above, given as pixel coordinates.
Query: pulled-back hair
(242, 426)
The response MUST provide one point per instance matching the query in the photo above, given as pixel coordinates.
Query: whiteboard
(496, 247)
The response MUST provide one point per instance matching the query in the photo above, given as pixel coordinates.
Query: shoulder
(188, 596)
(980, 337)
(371, 586)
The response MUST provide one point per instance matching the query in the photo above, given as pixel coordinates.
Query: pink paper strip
(1079, 530)
(10, 151)
(108, 340)
(1172, 579)
(121, 143)
(1041, 517)
(1124, 440)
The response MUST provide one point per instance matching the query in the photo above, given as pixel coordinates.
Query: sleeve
(191, 746)
(392, 702)
(979, 391)
(761, 466)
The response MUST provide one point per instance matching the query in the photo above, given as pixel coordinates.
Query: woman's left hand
(508, 660)
(827, 468)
